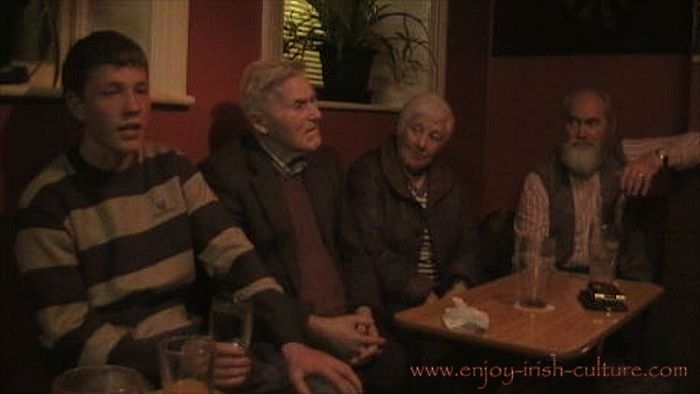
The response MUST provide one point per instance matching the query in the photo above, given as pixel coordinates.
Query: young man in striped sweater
(109, 234)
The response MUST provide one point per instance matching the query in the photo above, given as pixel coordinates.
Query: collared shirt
(532, 219)
(286, 162)
(426, 264)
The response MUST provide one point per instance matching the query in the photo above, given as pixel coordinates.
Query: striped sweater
(109, 257)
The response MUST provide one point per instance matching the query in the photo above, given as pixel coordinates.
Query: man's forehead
(587, 102)
(429, 115)
(295, 85)
(107, 71)
(438, 123)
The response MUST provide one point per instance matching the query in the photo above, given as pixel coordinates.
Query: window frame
(169, 31)
(271, 48)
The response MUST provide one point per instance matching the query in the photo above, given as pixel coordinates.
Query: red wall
(466, 88)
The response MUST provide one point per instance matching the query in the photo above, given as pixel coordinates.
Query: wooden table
(568, 330)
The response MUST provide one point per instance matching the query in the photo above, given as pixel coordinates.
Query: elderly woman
(409, 236)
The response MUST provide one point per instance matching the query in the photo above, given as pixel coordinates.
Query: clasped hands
(354, 337)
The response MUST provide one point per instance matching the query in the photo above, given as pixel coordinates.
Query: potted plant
(347, 35)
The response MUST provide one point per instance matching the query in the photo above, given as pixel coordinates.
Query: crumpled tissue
(465, 317)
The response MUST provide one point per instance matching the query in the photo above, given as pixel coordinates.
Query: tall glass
(186, 364)
(534, 263)
(604, 245)
(100, 379)
(231, 320)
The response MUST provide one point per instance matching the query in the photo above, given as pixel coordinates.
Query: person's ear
(76, 106)
(259, 123)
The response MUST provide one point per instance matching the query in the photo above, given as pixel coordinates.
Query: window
(296, 12)
(387, 93)
(159, 26)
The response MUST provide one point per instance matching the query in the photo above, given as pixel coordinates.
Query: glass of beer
(534, 262)
(604, 246)
(231, 320)
(186, 364)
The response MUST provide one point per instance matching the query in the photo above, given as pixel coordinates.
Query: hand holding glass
(186, 364)
(231, 320)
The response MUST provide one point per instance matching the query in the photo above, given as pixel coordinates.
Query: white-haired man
(285, 188)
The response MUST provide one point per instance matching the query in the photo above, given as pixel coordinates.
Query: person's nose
(314, 112)
(422, 141)
(583, 132)
(132, 104)
(578, 130)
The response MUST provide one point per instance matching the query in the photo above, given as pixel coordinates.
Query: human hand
(303, 362)
(367, 329)
(367, 352)
(231, 366)
(638, 174)
(346, 334)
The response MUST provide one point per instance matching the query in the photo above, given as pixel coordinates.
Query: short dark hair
(99, 48)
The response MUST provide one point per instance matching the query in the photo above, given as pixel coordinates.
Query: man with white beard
(576, 192)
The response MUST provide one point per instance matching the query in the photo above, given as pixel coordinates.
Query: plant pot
(345, 74)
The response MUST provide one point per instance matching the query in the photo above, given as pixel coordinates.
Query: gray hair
(261, 77)
(601, 94)
(426, 103)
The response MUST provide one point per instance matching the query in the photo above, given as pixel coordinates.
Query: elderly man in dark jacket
(410, 238)
(285, 190)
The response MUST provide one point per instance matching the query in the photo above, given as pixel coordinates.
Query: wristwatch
(663, 157)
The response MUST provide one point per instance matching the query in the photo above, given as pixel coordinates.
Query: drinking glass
(534, 263)
(231, 320)
(186, 364)
(604, 244)
(100, 379)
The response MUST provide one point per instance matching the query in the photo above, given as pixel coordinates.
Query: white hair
(426, 103)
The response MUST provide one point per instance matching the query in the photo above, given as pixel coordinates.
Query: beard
(582, 158)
